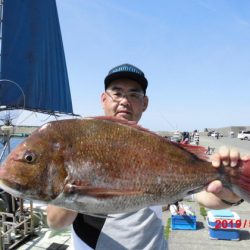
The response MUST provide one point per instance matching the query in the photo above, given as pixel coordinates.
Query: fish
(104, 165)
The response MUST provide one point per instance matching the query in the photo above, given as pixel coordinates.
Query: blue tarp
(32, 58)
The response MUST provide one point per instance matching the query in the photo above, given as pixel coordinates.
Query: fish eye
(29, 157)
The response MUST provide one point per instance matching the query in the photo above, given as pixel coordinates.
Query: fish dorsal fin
(113, 119)
(199, 151)
(132, 124)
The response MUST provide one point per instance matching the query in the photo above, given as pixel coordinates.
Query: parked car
(210, 132)
(244, 135)
(217, 134)
(177, 137)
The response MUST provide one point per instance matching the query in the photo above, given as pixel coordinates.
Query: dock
(199, 239)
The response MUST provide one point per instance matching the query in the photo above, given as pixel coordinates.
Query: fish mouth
(7, 188)
(20, 191)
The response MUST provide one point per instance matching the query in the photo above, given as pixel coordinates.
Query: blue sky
(194, 53)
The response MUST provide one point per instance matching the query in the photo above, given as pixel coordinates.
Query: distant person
(196, 138)
(210, 150)
(185, 141)
(125, 98)
(232, 134)
(217, 135)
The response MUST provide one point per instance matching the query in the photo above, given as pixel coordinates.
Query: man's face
(124, 99)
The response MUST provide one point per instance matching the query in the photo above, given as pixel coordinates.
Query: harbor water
(14, 141)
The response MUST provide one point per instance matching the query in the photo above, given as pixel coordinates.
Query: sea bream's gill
(103, 165)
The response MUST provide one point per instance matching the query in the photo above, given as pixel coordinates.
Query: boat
(33, 77)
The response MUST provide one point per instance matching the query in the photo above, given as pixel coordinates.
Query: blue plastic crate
(183, 222)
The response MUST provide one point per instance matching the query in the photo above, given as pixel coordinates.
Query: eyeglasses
(131, 96)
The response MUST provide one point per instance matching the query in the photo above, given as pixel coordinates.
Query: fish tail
(240, 178)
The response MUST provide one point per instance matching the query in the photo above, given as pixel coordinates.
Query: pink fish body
(103, 165)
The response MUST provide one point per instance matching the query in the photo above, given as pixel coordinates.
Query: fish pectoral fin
(99, 192)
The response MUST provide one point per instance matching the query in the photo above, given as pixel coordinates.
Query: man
(125, 98)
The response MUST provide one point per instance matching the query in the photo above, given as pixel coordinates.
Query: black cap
(126, 71)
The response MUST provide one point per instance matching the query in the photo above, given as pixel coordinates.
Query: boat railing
(16, 227)
(3, 151)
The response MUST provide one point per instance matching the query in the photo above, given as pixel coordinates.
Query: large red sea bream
(103, 165)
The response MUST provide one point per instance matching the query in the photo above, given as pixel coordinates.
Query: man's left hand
(215, 191)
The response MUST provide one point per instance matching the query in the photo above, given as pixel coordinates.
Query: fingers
(215, 187)
(226, 157)
(234, 157)
(221, 192)
(226, 194)
(215, 160)
(246, 158)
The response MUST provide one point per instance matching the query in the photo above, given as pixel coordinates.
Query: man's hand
(215, 191)
(225, 157)
(59, 218)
